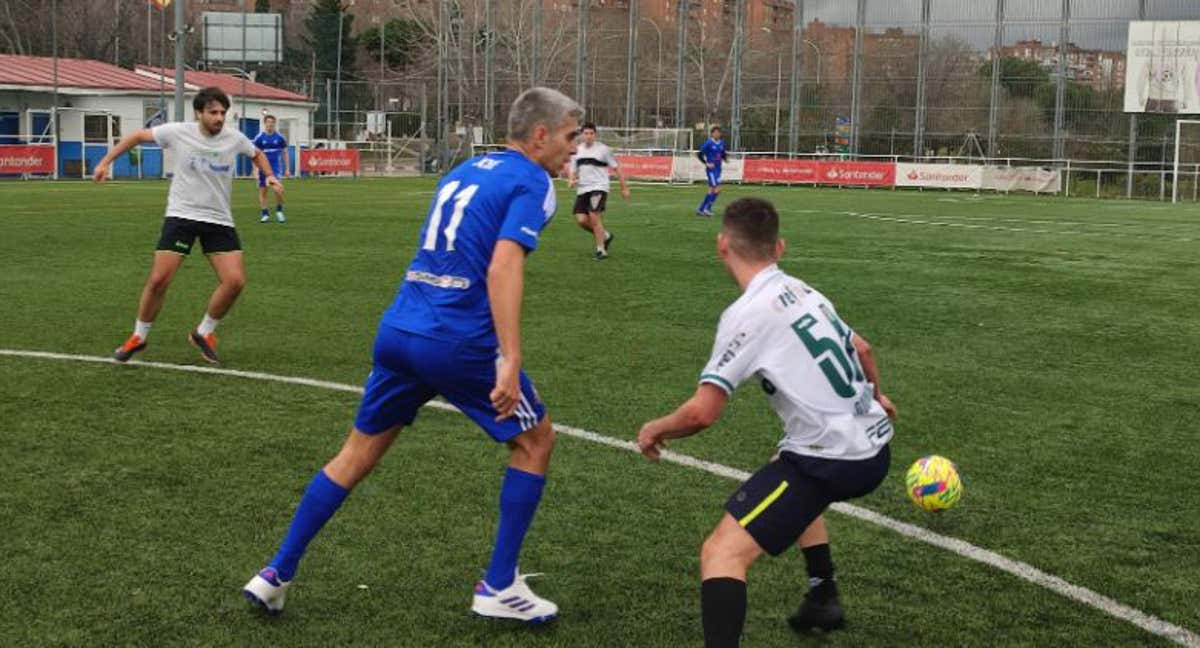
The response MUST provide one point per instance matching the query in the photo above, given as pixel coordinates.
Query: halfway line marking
(1151, 624)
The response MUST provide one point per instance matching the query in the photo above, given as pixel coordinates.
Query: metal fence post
(681, 72)
(489, 73)
(1060, 108)
(797, 68)
(739, 37)
(535, 66)
(856, 83)
(994, 101)
(581, 54)
(922, 56)
(631, 68)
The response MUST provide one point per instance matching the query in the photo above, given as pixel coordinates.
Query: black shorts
(779, 501)
(179, 234)
(592, 202)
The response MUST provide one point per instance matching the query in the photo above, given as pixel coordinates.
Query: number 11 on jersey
(461, 200)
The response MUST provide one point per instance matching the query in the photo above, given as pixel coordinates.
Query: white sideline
(1151, 624)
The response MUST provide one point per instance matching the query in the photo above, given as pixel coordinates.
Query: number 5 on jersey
(461, 200)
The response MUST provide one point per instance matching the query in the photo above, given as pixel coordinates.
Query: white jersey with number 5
(788, 335)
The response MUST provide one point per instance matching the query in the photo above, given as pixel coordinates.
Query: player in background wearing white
(590, 170)
(197, 207)
(821, 379)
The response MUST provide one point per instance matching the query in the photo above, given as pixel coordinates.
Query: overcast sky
(1095, 24)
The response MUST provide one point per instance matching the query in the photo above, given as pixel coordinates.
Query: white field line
(1151, 624)
(953, 222)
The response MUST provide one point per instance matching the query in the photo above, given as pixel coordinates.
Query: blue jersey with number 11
(485, 199)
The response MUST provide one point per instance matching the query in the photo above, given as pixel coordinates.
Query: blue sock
(321, 500)
(278, 208)
(266, 212)
(519, 497)
(712, 199)
(704, 203)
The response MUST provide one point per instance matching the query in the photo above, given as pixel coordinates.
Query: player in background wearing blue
(275, 146)
(712, 154)
(454, 329)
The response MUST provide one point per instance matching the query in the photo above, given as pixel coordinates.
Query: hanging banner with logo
(646, 167)
(862, 174)
(329, 160)
(1033, 179)
(789, 171)
(939, 176)
(26, 159)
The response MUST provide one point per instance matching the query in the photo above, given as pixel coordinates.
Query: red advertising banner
(646, 167)
(329, 160)
(869, 174)
(763, 170)
(26, 159)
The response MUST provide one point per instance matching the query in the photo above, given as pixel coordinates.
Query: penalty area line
(1024, 571)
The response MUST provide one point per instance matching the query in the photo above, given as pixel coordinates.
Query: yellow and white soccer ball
(933, 484)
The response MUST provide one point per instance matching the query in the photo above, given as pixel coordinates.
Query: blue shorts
(713, 176)
(262, 179)
(411, 369)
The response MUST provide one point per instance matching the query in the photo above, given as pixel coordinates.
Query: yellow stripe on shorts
(762, 506)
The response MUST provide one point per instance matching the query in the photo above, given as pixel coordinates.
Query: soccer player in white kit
(589, 169)
(822, 380)
(206, 155)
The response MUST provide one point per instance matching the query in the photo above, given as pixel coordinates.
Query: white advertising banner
(939, 176)
(1033, 179)
(687, 168)
(1162, 70)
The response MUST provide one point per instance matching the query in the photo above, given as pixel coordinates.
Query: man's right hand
(710, 165)
(100, 173)
(506, 395)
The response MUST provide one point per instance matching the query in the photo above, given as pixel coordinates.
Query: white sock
(142, 329)
(207, 325)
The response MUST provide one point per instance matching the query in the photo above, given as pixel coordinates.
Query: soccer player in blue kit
(712, 154)
(275, 147)
(454, 329)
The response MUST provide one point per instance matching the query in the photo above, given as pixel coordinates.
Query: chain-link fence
(1038, 80)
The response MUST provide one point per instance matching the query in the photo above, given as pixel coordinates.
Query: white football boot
(267, 591)
(516, 601)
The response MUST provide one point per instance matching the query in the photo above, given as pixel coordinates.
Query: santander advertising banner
(646, 167)
(939, 176)
(797, 171)
(26, 159)
(863, 174)
(870, 174)
(329, 160)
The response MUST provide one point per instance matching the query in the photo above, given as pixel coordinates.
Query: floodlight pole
(681, 72)
(581, 54)
(489, 73)
(797, 65)
(337, 90)
(631, 71)
(242, 121)
(535, 65)
(180, 54)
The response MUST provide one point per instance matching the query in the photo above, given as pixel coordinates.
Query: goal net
(1186, 172)
(646, 141)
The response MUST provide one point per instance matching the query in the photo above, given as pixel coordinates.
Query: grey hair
(544, 106)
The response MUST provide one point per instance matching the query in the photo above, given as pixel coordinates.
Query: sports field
(1045, 345)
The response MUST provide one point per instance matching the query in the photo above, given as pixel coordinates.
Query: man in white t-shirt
(590, 170)
(198, 207)
(821, 379)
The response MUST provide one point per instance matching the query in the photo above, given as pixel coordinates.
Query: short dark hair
(209, 95)
(752, 225)
(714, 129)
(587, 126)
(270, 117)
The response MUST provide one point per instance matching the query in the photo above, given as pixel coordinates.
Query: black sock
(821, 585)
(723, 606)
